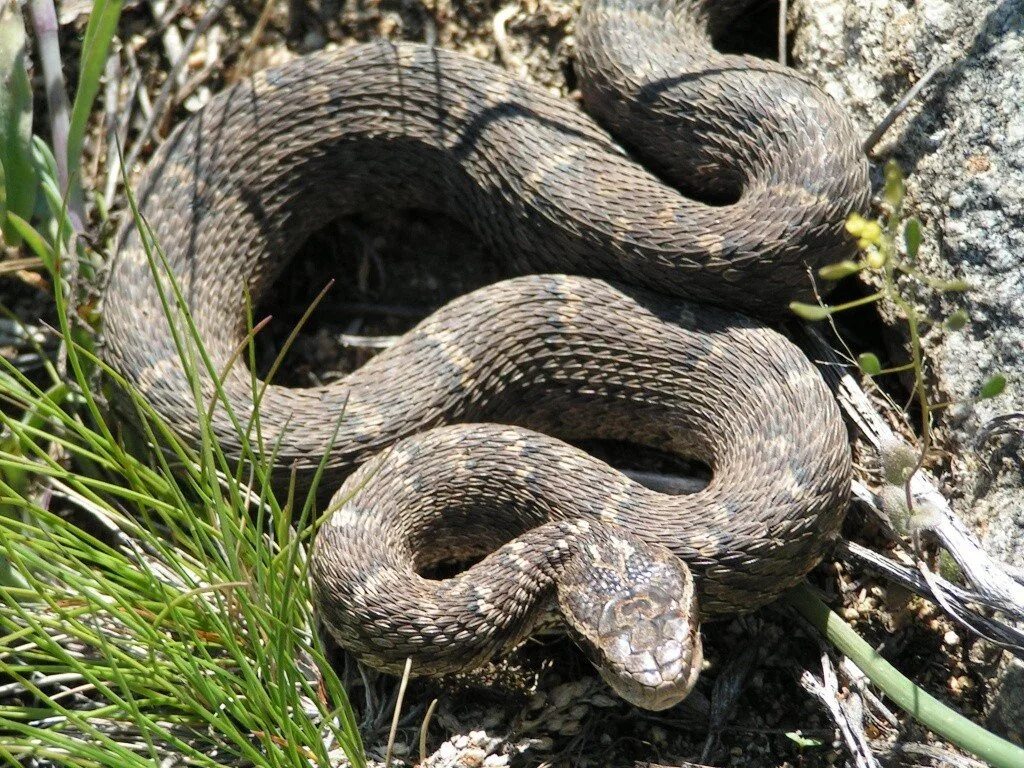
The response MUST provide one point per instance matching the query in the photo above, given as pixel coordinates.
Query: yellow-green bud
(875, 259)
(855, 224)
(872, 231)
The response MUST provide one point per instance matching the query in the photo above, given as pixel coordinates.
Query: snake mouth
(650, 647)
(654, 692)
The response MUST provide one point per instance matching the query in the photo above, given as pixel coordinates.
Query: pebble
(472, 758)
(446, 753)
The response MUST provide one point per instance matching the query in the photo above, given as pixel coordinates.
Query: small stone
(493, 761)
(473, 757)
(564, 694)
(571, 728)
(578, 712)
(951, 639)
(446, 753)
(313, 41)
(538, 700)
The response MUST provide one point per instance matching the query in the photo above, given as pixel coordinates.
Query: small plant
(889, 248)
(18, 182)
(184, 631)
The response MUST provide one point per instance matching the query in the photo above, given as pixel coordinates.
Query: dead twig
(847, 712)
(254, 38)
(989, 577)
(781, 42)
(163, 101)
(886, 122)
(114, 120)
(956, 601)
(933, 752)
(170, 34)
(398, 713)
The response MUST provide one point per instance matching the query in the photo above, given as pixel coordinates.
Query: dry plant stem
(958, 602)
(989, 577)
(112, 75)
(781, 42)
(9, 266)
(501, 39)
(213, 61)
(398, 713)
(424, 729)
(254, 37)
(44, 23)
(171, 35)
(861, 685)
(354, 341)
(943, 757)
(145, 105)
(847, 713)
(163, 100)
(886, 122)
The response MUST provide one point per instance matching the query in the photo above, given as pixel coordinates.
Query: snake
(694, 192)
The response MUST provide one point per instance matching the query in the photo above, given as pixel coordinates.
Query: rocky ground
(962, 145)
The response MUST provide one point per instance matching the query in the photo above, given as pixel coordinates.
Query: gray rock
(962, 146)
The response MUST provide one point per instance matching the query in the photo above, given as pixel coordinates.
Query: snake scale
(456, 429)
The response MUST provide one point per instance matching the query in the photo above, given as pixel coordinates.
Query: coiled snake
(607, 348)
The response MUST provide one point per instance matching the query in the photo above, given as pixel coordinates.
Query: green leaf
(957, 320)
(912, 236)
(33, 239)
(812, 312)
(43, 157)
(894, 189)
(955, 285)
(98, 34)
(839, 270)
(993, 387)
(803, 741)
(869, 364)
(18, 182)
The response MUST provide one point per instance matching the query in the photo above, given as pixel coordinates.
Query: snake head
(632, 607)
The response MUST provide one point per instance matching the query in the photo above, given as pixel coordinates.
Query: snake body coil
(236, 189)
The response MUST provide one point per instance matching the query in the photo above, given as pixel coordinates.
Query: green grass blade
(923, 707)
(98, 34)
(18, 181)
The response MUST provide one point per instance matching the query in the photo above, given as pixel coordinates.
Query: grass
(18, 181)
(155, 600)
(170, 604)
